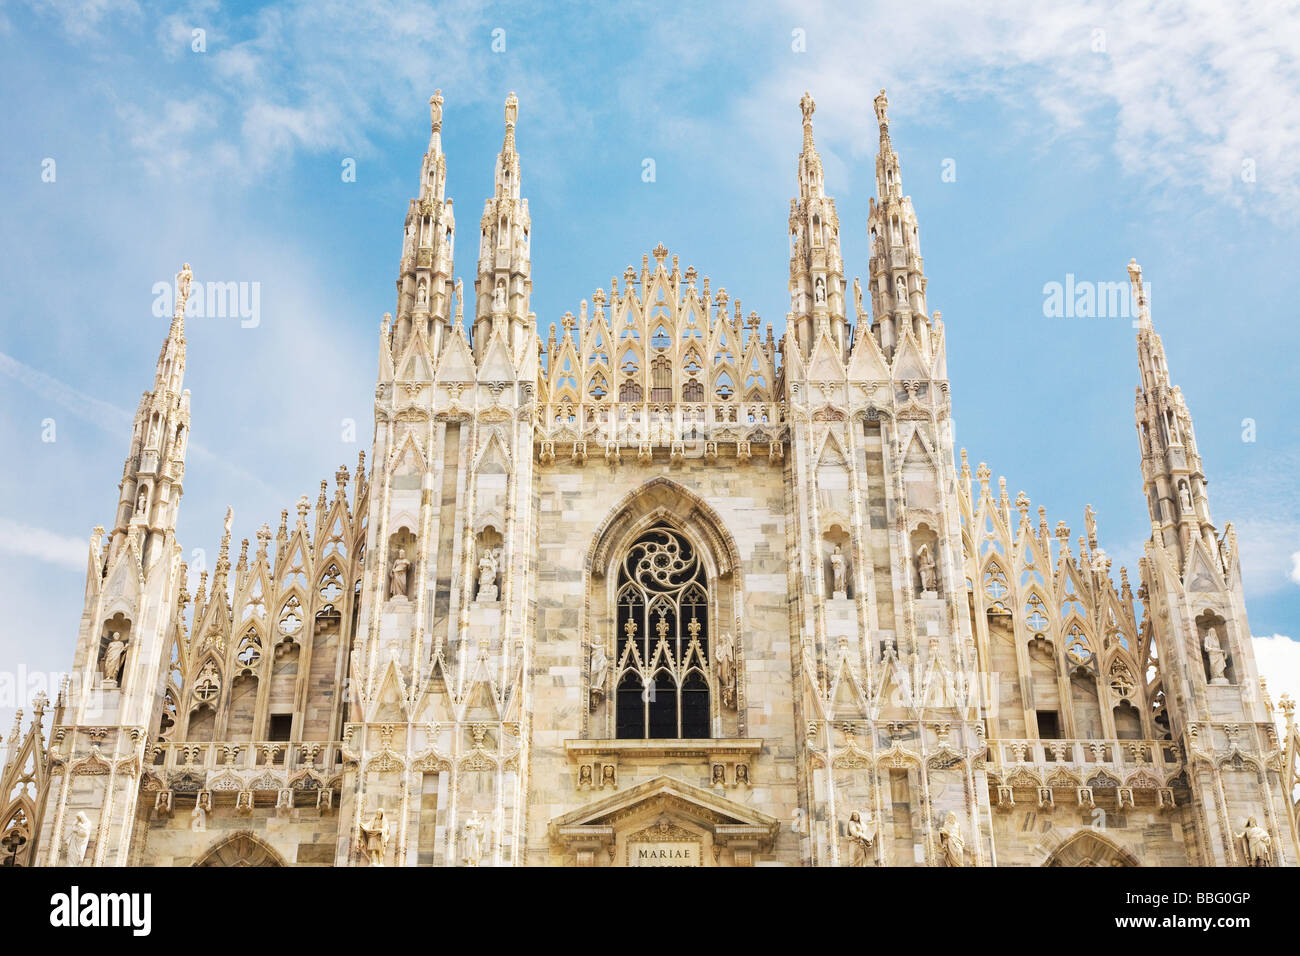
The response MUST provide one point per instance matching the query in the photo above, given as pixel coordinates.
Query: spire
(424, 275)
(1172, 474)
(816, 266)
(504, 284)
(152, 475)
(897, 269)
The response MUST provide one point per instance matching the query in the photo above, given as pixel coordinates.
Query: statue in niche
(79, 838)
(819, 290)
(198, 818)
(951, 842)
(1256, 844)
(422, 294)
(397, 577)
(597, 674)
(374, 837)
(499, 297)
(113, 657)
(1218, 659)
(487, 574)
(725, 661)
(1186, 497)
(926, 568)
(584, 777)
(862, 837)
(142, 501)
(719, 775)
(475, 839)
(742, 775)
(837, 573)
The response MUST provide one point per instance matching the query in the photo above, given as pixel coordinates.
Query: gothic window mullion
(661, 588)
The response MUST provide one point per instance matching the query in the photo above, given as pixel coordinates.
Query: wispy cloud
(116, 421)
(1191, 94)
(29, 542)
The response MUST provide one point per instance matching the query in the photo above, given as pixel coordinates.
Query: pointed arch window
(663, 639)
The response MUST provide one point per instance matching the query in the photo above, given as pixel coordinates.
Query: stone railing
(659, 422)
(1089, 767)
(280, 755)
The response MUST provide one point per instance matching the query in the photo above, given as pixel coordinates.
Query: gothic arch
(241, 849)
(1085, 847)
(664, 499)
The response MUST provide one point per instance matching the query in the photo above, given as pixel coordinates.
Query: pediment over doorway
(665, 822)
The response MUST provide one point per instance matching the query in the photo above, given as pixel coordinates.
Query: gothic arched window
(663, 639)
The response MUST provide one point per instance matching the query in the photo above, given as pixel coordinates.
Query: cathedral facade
(659, 589)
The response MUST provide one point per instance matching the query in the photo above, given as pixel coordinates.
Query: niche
(202, 719)
(925, 559)
(1128, 722)
(1216, 654)
(114, 642)
(401, 563)
(487, 557)
(838, 564)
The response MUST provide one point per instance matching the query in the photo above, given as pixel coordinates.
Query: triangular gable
(457, 362)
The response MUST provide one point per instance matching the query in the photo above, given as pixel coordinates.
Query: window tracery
(663, 626)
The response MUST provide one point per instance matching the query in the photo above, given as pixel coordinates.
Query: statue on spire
(882, 104)
(512, 109)
(183, 280)
(807, 106)
(435, 110)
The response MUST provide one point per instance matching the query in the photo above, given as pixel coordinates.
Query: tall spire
(154, 470)
(816, 266)
(424, 283)
(504, 284)
(1172, 474)
(897, 269)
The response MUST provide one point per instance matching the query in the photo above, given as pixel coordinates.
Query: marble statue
(1256, 844)
(374, 837)
(862, 837)
(487, 574)
(926, 568)
(499, 297)
(725, 661)
(1218, 659)
(951, 841)
(397, 577)
(598, 672)
(113, 657)
(198, 818)
(475, 839)
(79, 838)
(837, 573)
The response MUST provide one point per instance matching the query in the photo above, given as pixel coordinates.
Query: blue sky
(1080, 135)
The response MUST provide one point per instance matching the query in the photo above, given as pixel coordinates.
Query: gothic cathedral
(659, 589)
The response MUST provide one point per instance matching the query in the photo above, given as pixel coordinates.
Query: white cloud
(1278, 660)
(1186, 92)
(30, 542)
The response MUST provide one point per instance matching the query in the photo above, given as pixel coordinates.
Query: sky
(1038, 142)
